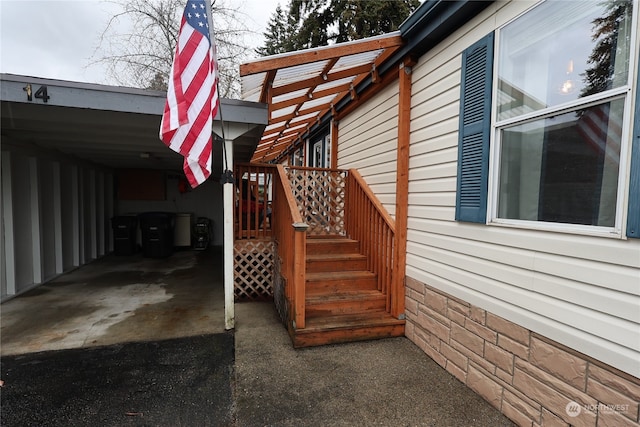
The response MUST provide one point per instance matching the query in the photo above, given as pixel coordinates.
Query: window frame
(495, 143)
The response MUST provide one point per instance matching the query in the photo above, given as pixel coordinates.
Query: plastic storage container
(124, 234)
(157, 233)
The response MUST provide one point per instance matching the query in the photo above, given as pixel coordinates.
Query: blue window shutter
(633, 215)
(474, 131)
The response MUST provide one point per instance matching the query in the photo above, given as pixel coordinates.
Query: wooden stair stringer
(343, 303)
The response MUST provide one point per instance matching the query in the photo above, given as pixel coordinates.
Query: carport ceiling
(109, 138)
(105, 125)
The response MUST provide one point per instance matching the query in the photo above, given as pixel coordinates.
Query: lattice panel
(253, 270)
(320, 195)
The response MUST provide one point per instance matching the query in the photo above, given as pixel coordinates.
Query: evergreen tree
(313, 23)
(279, 35)
(599, 75)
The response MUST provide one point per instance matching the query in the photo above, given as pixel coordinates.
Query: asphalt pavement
(249, 377)
(176, 382)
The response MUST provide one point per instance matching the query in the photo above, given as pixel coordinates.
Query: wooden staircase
(342, 302)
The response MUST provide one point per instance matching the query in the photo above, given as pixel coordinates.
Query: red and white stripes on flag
(192, 95)
(602, 130)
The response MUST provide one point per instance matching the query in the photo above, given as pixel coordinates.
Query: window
(297, 157)
(562, 168)
(561, 110)
(320, 149)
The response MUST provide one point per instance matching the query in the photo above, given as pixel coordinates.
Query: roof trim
(289, 59)
(433, 21)
(65, 93)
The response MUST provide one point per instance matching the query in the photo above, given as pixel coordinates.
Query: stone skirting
(531, 379)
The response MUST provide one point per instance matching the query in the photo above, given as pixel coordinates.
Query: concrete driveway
(118, 299)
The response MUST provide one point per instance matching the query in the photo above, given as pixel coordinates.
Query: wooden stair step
(335, 262)
(331, 304)
(332, 245)
(336, 281)
(347, 328)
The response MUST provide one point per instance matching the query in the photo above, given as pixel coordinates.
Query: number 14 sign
(41, 93)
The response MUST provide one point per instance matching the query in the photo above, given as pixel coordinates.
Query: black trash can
(157, 233)
(124, 234)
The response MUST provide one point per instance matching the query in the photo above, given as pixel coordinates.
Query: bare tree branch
(142, 55)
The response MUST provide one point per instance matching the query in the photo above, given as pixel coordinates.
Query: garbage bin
(124, 234)
(202, 233)
(157, 233)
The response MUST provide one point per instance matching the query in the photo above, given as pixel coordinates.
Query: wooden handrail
(292, 207)
(289, 232)
(374, 200)
(367, 221)
(308, 168)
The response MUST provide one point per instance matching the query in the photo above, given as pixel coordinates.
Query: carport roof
(301, 87)
(115, 127)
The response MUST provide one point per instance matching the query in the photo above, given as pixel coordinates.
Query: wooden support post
(402, 190)
(334, 143)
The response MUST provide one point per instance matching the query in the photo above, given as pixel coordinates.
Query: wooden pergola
(301, 87)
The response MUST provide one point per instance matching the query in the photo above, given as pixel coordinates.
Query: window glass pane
(561, 51)
(563, 168)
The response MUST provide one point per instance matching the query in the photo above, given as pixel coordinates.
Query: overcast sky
(56, 38)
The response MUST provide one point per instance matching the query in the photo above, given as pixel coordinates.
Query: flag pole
(227, 194)
(212, 38)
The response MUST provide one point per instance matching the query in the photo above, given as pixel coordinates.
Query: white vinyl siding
(368, 142)
(581, 291)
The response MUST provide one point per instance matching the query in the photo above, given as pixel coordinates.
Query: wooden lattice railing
(320, 195)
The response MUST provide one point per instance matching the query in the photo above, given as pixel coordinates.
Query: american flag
(601, 128)
(192, 95)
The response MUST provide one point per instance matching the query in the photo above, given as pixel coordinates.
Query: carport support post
(227, 193)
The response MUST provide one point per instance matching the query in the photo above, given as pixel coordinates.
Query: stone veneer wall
(531, 379)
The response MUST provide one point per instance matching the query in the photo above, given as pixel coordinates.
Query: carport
(74, 155)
